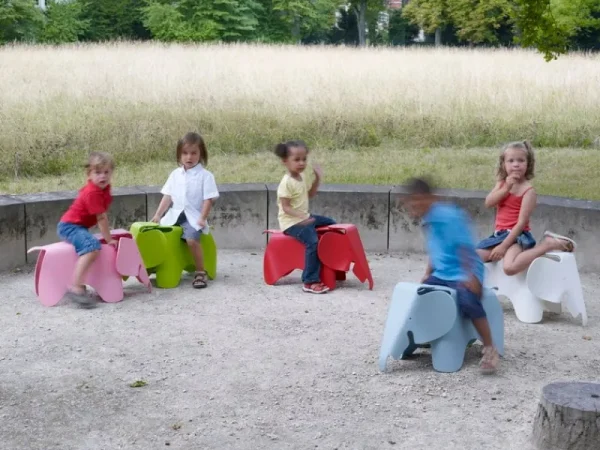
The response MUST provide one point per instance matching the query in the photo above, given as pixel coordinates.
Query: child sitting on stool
(453, 260)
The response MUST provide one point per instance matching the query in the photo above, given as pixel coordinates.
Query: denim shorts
(525, 240)
(189, 232)
(469, 303)
(78, 236)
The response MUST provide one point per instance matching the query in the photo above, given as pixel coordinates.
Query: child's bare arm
(473, 284)
(315, 186)
(206, 207)
(428, 271)
(104, 228)
(500, 191)
(164, 204)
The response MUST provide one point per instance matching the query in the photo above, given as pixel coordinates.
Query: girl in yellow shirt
(294, 190)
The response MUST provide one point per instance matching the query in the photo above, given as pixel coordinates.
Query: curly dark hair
(283, 149)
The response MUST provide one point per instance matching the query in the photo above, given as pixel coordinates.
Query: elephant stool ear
(433, 314)
(152, 246)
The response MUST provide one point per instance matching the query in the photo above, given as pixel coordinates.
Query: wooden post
(568, 417)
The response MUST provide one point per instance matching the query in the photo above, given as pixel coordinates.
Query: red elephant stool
(56, 263)
(339, 247)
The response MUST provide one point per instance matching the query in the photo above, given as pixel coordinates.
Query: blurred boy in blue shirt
(453, 261)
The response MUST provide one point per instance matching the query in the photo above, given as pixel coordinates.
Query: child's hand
(473, 285)
(318, 171)
(113, 242)
(307, 221)
(202, 222)
(155, 219)
(511, 180)
(498, 253)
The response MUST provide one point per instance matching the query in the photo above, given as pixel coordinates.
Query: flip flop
(562, 238)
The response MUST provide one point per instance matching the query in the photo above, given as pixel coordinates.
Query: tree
(431, 15)
(400, 30)
(345, 31)
(202, 20)
(363, 9)
(537, 27)
(114, 19)
(302, 18)
(580, 19)
(479, 21)
(547, 25)
(64, 22)
(20, 20)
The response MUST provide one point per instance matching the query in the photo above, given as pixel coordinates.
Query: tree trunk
(361, 19)
(296, 30)
(568, 417)
(438, 36)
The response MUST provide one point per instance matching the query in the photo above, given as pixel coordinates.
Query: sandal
(315, 288)
(82, 299)
(199, 280)
(489, 361)
(568, 245)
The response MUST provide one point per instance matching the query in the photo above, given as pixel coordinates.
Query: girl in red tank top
(514, 198)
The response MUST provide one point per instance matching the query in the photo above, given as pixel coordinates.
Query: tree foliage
(202, 20)
(552, 26)
(20, 20)
(64, 22)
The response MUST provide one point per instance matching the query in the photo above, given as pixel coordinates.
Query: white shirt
(188, 189)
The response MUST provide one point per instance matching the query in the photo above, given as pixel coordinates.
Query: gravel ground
(242, 365)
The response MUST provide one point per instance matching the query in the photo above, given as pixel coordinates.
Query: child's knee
(510, 269)
(193, 243)
(470, 304)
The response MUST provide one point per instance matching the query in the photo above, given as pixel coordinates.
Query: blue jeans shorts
(79, 237)
(525, 240)
(469, 303)
(189, 232)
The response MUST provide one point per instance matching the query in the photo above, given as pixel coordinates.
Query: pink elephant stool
(56, 263)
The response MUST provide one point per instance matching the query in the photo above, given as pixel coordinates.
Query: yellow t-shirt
(297, 192)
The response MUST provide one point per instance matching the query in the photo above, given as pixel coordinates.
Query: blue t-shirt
(449, 241)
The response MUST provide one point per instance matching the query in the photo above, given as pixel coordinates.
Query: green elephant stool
(167, 255)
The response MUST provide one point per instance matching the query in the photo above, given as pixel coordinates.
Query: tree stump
(568, 417)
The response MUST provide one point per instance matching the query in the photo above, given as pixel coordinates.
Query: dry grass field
(371, 116)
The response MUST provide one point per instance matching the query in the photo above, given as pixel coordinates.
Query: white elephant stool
(422, 314)
(551, 282)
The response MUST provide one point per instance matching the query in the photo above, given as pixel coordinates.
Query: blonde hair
(525, 146)
(98, 160)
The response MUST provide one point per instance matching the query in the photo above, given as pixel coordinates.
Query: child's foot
(80, 297)
(489, 361)
(199, 280)
(559, 242)
(315, 288)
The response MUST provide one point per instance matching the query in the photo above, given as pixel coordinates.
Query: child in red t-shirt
(87, 210)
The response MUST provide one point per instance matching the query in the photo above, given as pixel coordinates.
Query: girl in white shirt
(188, 196)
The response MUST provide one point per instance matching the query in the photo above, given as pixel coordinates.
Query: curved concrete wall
(244, 211)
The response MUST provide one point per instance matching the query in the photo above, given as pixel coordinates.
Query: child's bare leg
(82, 266)
(516, 260)
(196, 251)
(483, 328)
(484, 254)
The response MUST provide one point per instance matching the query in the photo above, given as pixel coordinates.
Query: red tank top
(508, 210)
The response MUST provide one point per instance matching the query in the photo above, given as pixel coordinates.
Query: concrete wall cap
(6, 200)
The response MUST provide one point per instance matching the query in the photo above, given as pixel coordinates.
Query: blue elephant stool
(421, 314)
